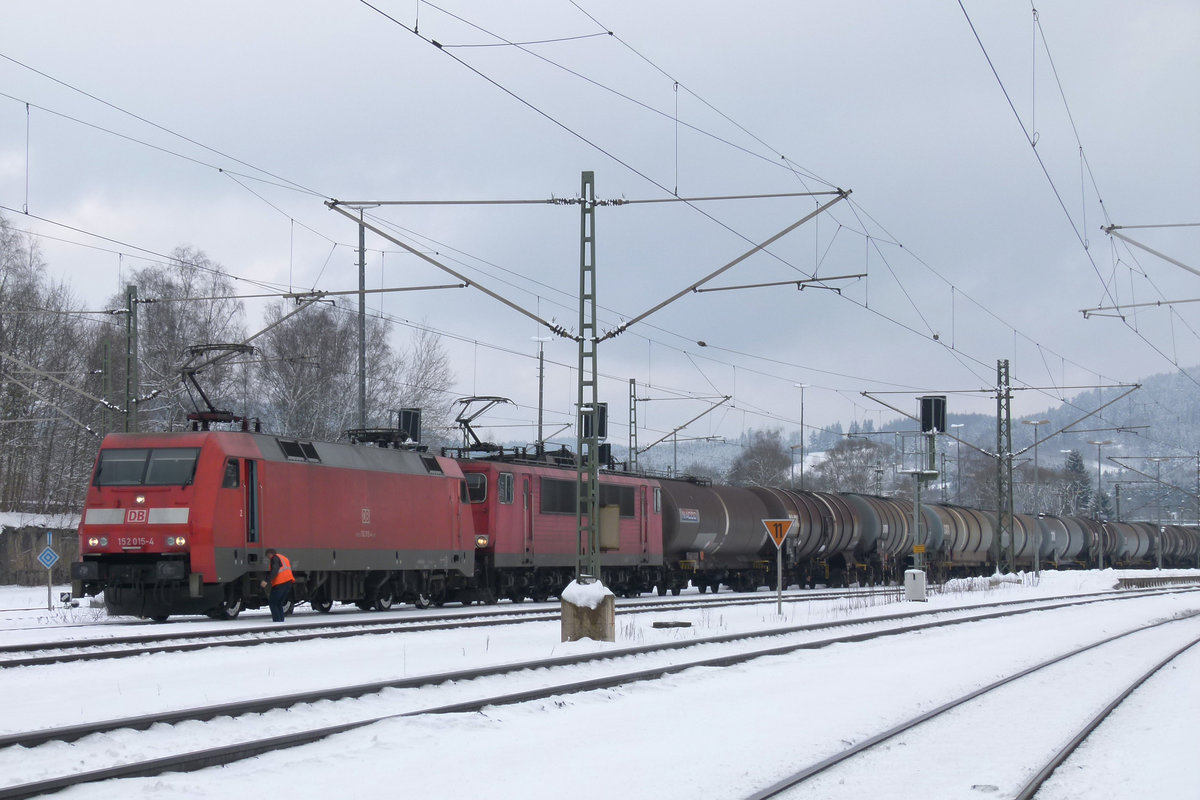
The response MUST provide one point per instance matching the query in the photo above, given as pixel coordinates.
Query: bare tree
(703, 470)
(183, 303)
(43, 423)
(764, 461)
(853, 465)
(425, 381)
(308, 385)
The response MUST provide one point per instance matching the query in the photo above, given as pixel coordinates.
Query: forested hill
(1161, 418)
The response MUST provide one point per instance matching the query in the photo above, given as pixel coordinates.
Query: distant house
(23, 538)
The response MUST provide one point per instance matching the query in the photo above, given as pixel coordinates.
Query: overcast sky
(972, 241)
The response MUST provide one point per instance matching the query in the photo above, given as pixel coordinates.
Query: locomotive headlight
(481, 541)
(140, 499)
(93, 542)
(176, 541)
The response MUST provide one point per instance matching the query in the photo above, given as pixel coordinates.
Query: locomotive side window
(167, 466)
(657, 501)
(622, 496)
(230, 481)
(504, 487)
(558, 497)
(476, 486)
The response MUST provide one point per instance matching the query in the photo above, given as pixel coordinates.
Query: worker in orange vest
(281, 580)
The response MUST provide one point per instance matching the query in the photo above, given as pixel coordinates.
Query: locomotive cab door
(235, 522)
(643, 514)
(527, 514)
(252, 502)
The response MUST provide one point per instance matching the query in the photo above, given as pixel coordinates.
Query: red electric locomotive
(525, 509)
(178, 523)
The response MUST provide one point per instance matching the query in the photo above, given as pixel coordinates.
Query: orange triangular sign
(778, 529)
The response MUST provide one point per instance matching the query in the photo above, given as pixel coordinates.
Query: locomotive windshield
(166, 466)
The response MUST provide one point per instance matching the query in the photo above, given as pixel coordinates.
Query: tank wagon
(178, 523)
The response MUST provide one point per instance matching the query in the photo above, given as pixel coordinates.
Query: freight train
(178, 523)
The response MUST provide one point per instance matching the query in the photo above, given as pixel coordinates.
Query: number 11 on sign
(778, 529)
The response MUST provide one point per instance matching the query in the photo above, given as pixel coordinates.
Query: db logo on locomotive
(141, 515)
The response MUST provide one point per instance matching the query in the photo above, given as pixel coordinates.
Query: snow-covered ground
(717, 733)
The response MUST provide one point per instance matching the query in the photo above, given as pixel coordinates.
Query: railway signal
(48, 558)
(778, 529)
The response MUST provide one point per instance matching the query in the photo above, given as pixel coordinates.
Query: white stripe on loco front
(104, 516)
(168, 516)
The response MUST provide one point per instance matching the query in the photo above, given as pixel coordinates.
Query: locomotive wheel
(363, 605)
(160, 617)
(383, 602)
(675, 591)
(662, 590)
(702, 587)
(230, 608)
(322, 602)
(422, 600)
(288, 607)
(538, 595)
(517, 597)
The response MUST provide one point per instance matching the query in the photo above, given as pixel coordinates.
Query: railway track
(323, 627)
(457, 691)
(854, 771)
(97, 648)
(1035, 783)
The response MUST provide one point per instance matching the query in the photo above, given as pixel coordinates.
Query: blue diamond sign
(48, 557)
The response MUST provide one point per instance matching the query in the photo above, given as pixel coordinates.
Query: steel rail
(1035, 783)
(778, 788)
(231, 753)
(260, 705)
(299, 632)
(357, 627)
